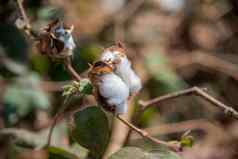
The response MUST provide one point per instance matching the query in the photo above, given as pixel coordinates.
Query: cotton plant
(116, 56)
(112, 78)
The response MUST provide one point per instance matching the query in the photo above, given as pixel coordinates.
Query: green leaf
(129, 153)
(59, 153)
(84, 87)
(91, 130)
(165, 154)
(138, 153)
(187, 141)
(26, 138)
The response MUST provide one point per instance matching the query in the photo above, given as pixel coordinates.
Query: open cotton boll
(108, 56)
(124, 70)
(172, 5)
(115, 91)
(122, 108)
(65, 36)
(134, 82)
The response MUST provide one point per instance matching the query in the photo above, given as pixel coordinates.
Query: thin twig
(23, 13)
(197, 124)
(207, 61)
(55, 119)
(172, 146)
(71, 70)
(195, 91)
(75, 75)
(27, 28)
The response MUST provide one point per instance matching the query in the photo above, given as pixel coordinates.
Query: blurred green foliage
(134, 152)
(59, 153)
(22, 97)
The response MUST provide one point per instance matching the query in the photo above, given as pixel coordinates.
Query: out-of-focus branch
(23, 13)
(55, 119)
(52, 86)
(123, 15)
(119, 132)
(190, 91)
(205, 60)
(75, 75)
(23, 136)
(198, 124)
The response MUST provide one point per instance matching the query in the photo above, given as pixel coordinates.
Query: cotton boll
(134, 83)
(115, 91)
(108, 56)
(65, 36)
(111, 91)
(172, 5)
(123, 69)
(122, 108)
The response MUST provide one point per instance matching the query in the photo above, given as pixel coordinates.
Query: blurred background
(173, 45)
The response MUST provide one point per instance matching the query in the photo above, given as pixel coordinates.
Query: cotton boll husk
(115, 91)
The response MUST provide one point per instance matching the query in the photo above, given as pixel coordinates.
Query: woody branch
(190, 91)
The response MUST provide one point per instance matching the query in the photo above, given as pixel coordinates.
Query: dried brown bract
(56, 40)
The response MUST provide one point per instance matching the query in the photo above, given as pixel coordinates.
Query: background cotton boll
(172, 5)
(115, 91)
(66, 37)
(69, 44)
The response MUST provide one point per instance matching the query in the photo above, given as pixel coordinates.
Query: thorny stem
(190, 91)
(145, 134)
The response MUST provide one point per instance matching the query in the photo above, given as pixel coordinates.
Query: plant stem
(190, 91)
(172, 146)
(71, 70)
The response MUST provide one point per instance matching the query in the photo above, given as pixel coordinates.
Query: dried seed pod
(56, 40)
